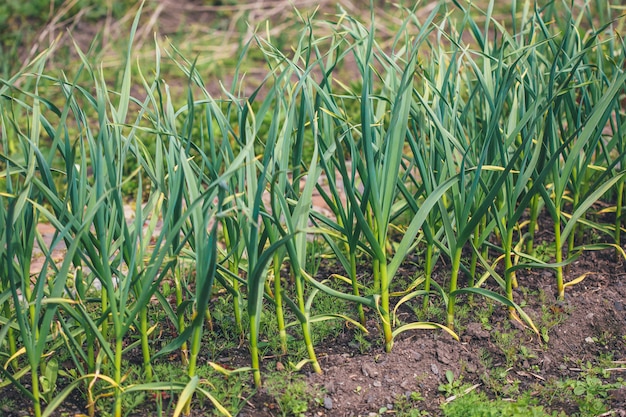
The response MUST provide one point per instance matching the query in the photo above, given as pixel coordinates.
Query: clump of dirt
(359, 384)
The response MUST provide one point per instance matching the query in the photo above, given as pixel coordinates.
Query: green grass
(478, 405)
(291, 392)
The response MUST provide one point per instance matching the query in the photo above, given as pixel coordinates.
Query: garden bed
(417, 218)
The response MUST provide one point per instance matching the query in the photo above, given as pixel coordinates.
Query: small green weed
(590, 393)
(434, 312)
(408, 405)
(477, 404)
(545, 251)
(507, 342)
(452, 386)
(361, 342)
(291, 392)
(484, 315)
(551, 316)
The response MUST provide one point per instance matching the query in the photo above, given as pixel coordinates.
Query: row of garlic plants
(457, 134)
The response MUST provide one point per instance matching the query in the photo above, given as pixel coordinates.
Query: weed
(545, 251)
(508, 343)
(361, 342)
(291, 392)
(461, 316)
(589, 391)
(232, 392)
(407, 405)
(498, 380)
(7, 404)
(433, 312)
(453, 386)
(484, 314)
(477, 404)
(526, 352)
(485, 358)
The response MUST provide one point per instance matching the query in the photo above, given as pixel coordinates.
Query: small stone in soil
(434, 368)
(328, 403)
(443, 353)
(546, 362)
(369, 370)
